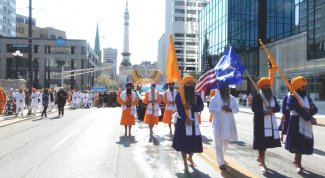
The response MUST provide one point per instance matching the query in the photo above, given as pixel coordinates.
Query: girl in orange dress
(152, 99)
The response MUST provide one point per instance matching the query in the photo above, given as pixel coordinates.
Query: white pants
(51, 106)
(19, 108)
(221, 147)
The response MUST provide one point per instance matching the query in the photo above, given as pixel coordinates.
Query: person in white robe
(223, 106)
(34, 103)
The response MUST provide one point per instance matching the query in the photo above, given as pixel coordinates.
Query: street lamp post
(17, 55)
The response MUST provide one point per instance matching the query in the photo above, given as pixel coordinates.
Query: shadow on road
(239, 143)
(195, 174)
(319, 152)
(231, 172)
(154, 140)
(206, 140)
(38, 119)
(126, 141)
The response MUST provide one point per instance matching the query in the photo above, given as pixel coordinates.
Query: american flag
(207, 78)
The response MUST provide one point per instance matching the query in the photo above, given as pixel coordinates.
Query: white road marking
(65, 139)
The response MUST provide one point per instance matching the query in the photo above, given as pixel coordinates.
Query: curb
(16, 120)
(320, 125)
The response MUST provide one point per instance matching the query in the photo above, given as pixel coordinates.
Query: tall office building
(8, 18)
(110, 61)
(182, 22)
(293, 30)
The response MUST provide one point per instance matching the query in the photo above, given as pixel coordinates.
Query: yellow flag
(172, 71)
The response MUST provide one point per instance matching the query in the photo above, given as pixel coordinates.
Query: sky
(79, 18)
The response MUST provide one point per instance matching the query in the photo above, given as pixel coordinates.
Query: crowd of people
(183, 108)
(14, 102)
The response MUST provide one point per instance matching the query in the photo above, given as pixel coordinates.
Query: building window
(191, 35)
(179, 18)
(179, 34)
(47, 49)
(190, 52)
(202, 4)
(191, 11)
(191, 43)
(191, 19)
(179, 3)
(191, 4)
(35, 48)
(83, 50)
(181, 11)
(72, 49)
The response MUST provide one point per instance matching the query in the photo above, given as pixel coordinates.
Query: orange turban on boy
(298, 82)
(263, 81)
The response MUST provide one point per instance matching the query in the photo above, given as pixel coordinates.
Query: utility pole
(62, 70)
(30, 49)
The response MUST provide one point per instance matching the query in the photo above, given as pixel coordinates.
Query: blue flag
(229, 69)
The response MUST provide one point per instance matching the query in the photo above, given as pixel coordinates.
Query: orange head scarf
(263, 81)
(298, 82)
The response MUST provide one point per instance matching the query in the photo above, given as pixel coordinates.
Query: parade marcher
(62, 98)
(152, 100)
(212, 93)
(187, 136)
(128, 100)
(244, 99)
(300, 138)
(249, 100)
(20, 100)
(3, 99)
(266, 133)
(45, 102)
(34, 102)
(283, 126)
(52, 99)
(223, 106)
(74, 102)
(240, 98)
(170, 105)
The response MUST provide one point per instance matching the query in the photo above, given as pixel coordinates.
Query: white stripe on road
(65, 139)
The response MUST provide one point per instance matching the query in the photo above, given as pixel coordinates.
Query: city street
(91, 143)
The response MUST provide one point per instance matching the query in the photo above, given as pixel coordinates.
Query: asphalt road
(91, 143)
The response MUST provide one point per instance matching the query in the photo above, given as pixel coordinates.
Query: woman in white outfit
(223, 106)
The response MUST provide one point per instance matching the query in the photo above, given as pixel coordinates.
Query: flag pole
(284, 78)
(252, 81)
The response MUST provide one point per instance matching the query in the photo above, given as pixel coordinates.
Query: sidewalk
(11, 119)
(320, 117)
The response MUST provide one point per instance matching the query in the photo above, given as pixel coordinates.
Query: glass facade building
(293, 31)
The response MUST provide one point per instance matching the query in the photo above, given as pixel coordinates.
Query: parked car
(141, 107)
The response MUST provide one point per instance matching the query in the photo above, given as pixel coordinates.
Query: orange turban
(187, 78)
(298, 82)
(263, 81)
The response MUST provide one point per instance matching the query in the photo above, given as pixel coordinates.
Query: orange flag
(172, 71)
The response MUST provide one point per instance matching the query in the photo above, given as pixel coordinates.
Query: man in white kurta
(20, 101)
(34, 103)
(224, 125)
